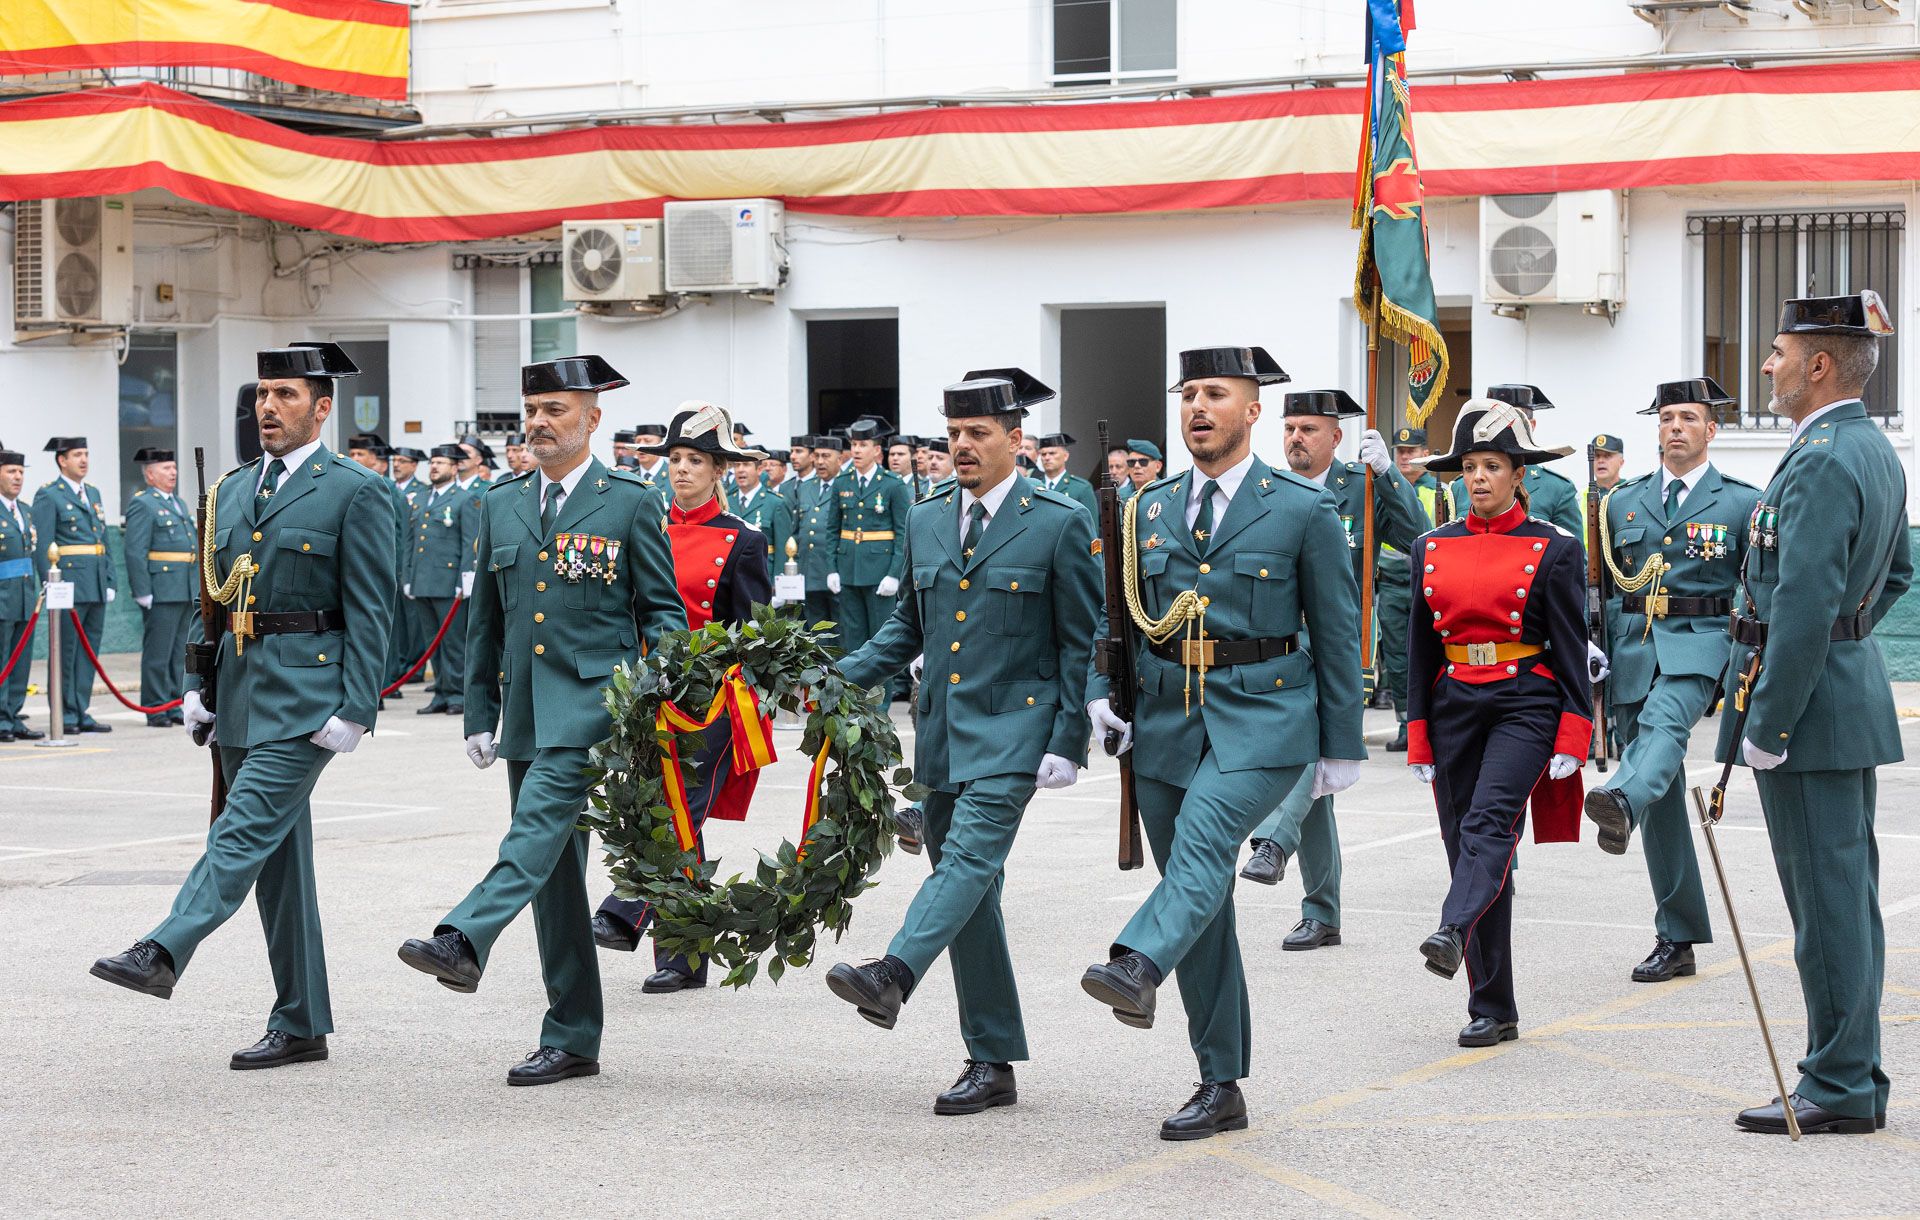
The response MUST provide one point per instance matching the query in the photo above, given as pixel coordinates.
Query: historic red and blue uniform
(1497, 685)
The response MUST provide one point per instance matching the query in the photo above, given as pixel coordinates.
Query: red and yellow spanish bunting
(752, 744)
(343, 46)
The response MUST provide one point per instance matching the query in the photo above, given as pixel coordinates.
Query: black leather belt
(299, 622)
(1678, 607)
(1753, 631)
(1218, 654)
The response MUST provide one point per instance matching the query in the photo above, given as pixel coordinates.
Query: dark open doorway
(853, 369)
(1113, 366)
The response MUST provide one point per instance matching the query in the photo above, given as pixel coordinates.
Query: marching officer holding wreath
(301, 552)
(1005, 589)
(67, 514)
(865, 513)
(1674, 542)
(163, 579)
(1230, 559)
(1828, 558)
(578, 580)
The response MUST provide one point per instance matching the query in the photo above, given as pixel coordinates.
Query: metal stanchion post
(791, 588)
(59, 602)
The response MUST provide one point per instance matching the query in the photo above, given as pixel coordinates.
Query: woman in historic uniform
(720, 566)
(1498, 694)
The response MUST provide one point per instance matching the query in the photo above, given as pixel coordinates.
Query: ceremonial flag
(1393, 286)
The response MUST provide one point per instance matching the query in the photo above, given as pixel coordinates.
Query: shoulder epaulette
(1287, 476)
(1739, 482)
(1552, 474)
(1163, 481)
(1055, 497)
(627, 476)
(1630, 480)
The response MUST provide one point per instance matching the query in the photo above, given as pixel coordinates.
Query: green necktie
(271, 483)
(550, 511)
(1675, 490)
(1203, 522)
(976, 522)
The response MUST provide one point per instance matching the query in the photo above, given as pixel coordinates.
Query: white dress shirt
(289, 461)
(1691, 479)
(992, 500)
(1228, 483)
(1806, 423)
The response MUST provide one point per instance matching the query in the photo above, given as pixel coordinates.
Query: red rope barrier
(431, 649)
(26, 637)
(87, 644)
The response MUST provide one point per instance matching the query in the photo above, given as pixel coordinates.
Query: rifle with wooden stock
(203, 659)
(1113, 656)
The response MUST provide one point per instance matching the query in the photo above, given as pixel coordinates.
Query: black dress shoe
(1669, 959)
(667, 980)
(910, 829)
(1268, 864)
(1771, 1119)
(1485, 1031)
(877, 988)
(982, 1086)
(550, 1064)
(1608, 809)
(146, 968)
(447, 957)
(159, 722)
(1310, 934)
(456, 709)
(1127, 984)
(434, 708)
(23, 733)
(1443, 951)
(1399, 743)
(1211, 1110)
(6, 735)
(278, 1049)
(610, 933)
(94, 726)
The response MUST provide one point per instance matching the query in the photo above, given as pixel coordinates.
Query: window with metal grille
(1113, 42)
(1751, 262)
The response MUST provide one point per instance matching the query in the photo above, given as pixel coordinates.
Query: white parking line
(33, 853)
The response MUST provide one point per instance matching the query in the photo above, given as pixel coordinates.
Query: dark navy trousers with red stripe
(1490, 745)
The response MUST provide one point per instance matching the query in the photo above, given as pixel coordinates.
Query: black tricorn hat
(1056, 440)
(780, 455)
(706, 427)
(412, 455)
(480, 447)
(367, 440)
(1863, 313)
(940, 444)
(452, 453)
(1693, 389)
(570, 373)
(10, 457)
(1229, 362)
(144, 456)
(625, 436)
(801, 442)
(828, 440)
(1487, 425)
(58, 445)
(870, 428)
(649, 429)
(1529, 396)
(1332, 404)
(993, 392)
(516, 438)
(305, 360)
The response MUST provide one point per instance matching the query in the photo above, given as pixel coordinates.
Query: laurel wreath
(793, 894)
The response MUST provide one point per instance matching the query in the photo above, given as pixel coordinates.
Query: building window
(149, 404)
(1113, 42)
(1750, 263)
(552, 338)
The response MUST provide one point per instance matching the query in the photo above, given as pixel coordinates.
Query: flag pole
(1370, 678)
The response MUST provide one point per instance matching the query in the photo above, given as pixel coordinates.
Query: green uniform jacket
(157, 522)
(1397, 516)
(323, 542)
(1705, 545)
(810, 529)
(1077, 489)
(1269, 565)
(768, 512)
(1393, 571)
(445, 541)
(1550, 497)
(1839, 507)
(1007, 635)
(879, 507)
(60, 516)
(17, 593)
(542, 684)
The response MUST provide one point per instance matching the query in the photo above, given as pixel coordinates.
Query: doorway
(360, 404)
(149, 403)
(853, 369)
(1113, 367)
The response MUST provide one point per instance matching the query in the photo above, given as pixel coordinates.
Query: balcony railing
(246, 91)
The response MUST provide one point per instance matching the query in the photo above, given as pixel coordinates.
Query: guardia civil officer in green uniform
(866, 526)
(440, 572)
(162, 579)
(66, 513)
(762, 508)
(1674, 542)
(299, 681)
(19, 592)
(1304, 822)
(1260, 551)
(1056, 449)
(1005, 589)
(578, 580)
(1550, 497)
(1828, 558)
(800, 457)
(1393, 580)
(408, 481)
(370, 449)
(811, 529)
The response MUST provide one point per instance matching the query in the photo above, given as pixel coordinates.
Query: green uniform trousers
(968, 836)
(403, 649)
(1821, 825)
(76, 672)
(1186, 926)
(263, 842)
(163, 653)
(1653, 775)
(1304, 829)
(543, 862)
(860, 612)
(1392, 604)
(450, 661)
(13, 692)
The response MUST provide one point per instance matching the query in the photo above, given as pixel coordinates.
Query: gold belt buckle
(1197, 653)
(242, 625)
(1657, 604)
(1483, 654)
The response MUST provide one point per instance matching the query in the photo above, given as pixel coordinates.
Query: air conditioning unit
(726, 245)
(72, 263)
(610, 260)
(1565, 249)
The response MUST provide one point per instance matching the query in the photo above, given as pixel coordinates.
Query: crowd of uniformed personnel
(974, 561)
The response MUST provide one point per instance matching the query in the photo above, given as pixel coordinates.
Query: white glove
(1374, 452)
(1562, 765)
(776, 601)
(1055, 772)
(917, 666)
(833, 582)
(888, 586)
(481, 750)
(194, 712)
(1758, 758)
(142, 600)
(340, 736)
(1104, 722)
(407, 589)
(1422, 772)
(1331, 775)
(110, 596)
(1597, 666)
(466, 585)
